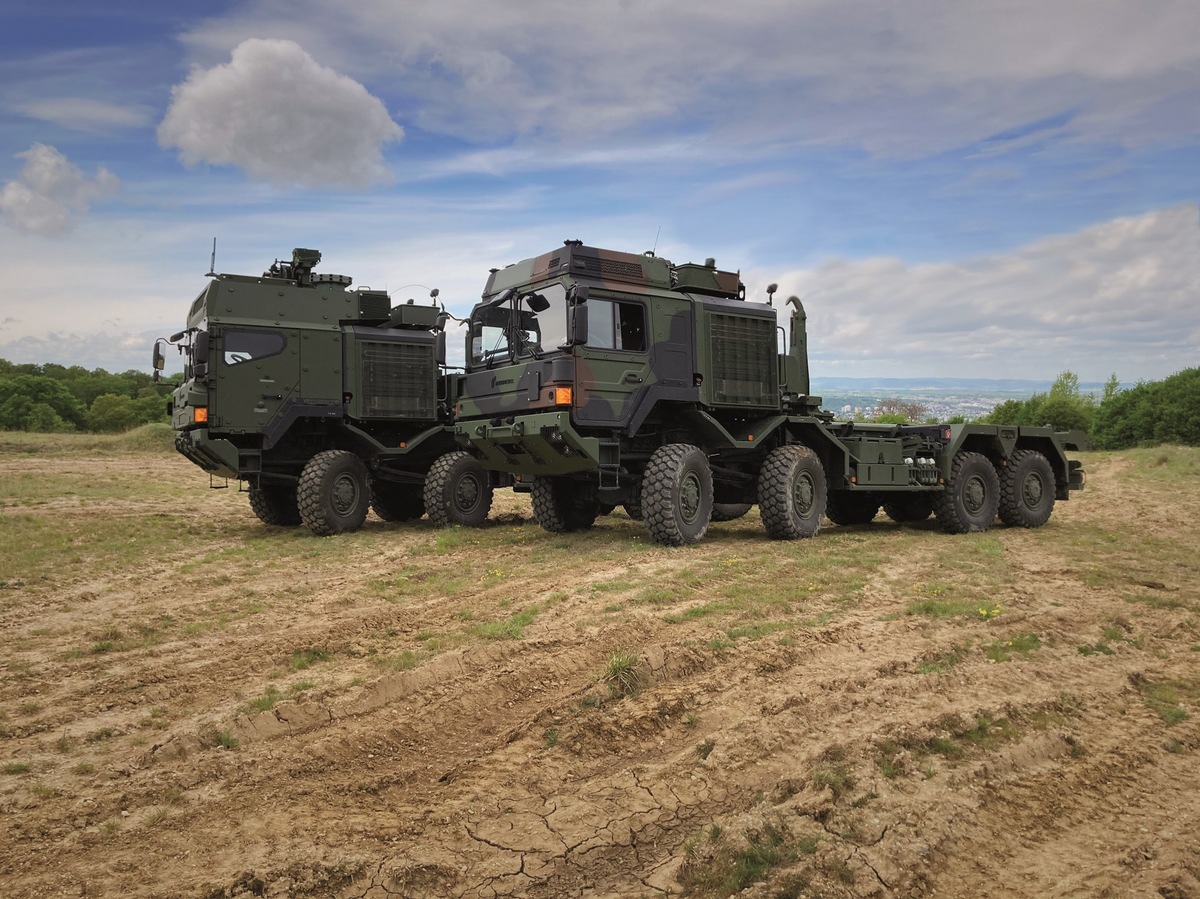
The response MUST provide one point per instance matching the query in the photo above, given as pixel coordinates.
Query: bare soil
(214, 708)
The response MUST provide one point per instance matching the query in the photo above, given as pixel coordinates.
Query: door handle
(631, 378)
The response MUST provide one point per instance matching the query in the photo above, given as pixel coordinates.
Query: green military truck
(325, 401)
(609, 378)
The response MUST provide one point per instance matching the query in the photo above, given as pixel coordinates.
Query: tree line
(54, 398)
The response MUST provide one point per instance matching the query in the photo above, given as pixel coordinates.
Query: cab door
(612, 371)
(253, 371)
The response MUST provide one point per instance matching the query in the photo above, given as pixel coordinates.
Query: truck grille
(744, 369)
(399, 381)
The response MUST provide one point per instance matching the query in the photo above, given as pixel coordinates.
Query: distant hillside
(981, 386)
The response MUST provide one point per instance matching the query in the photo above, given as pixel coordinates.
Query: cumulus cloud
(1122, 295)
(50, 193)
(277, 114)
(895, 79)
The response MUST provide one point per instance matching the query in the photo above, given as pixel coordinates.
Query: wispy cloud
(83, 114)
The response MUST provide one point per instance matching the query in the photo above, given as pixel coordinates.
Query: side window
(616, 326)
(246, 346)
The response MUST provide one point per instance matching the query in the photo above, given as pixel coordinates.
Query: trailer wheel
(846, 508)
(562, 505)
(397, 502)
(909, 508)
(792, 493)
(1026, 490)
(730, 511)
(457, 491)
(972, 495)
(333, 493)
(275, 504)
(677, 494)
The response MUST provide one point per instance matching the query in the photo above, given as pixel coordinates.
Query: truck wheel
(457, 491)
(1026, 490)
(275, 504)
(677, 495)
(397, 502)
(562, 505)
(847, 508)
(792, 493)
(909, 508)
(972, 495)
(729, 511)
(334, 493)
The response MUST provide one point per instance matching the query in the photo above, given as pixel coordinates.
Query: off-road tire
(909, 508)
(457, 491)
(730, 511)
(397, 502)
(677, 495)
(792, 493)
(972, 495)
(275, 504)
(1026, 490)
(847, 508)
(334, 493)
(562, 505)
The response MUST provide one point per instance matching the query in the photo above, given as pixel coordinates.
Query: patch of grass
(226, 740)
(730, 868)
(509, 628)
(15, 768)
(943, 662)
(1097, 648)
(267, 700)
(943, 608)
(42, 791)
(99, 736)
(1155, 601)
(621, 673)
(1167, 698)
(837, 778)
(404, 661)
(306, 658)
(551, 736)
(1018, 644)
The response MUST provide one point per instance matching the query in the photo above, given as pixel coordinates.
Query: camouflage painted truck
(325, 401)
(610, 378)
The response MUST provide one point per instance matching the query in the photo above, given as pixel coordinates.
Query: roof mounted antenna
(212, 262)
(654, 249)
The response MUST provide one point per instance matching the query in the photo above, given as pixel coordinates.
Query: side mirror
(160, 361)
(439, 348)
(577, 327)
(537, 302)
(578, 294)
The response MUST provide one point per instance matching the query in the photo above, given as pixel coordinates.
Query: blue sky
(984, 188)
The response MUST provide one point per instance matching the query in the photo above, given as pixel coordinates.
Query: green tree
(110, 412)
(25, 395)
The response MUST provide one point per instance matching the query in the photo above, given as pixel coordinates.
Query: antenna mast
(212, 262)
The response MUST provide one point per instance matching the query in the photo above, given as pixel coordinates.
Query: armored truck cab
(324, 400)
(611, 378)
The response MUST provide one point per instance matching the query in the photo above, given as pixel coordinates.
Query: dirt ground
(194, 704)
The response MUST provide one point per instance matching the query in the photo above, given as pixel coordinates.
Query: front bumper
(545, 444)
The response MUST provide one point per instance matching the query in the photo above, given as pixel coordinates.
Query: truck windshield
(536, 323)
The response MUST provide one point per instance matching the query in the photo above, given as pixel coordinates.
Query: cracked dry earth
(197, 705)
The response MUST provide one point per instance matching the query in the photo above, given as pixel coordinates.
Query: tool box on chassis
(608, 378)
(324, 400)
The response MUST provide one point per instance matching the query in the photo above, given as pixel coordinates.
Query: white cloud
(280, 116)
(1123, 295)
(81, 114)
(50, 193)
(896, 79)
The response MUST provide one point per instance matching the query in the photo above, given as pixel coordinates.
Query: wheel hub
(466, 494)
(975, 495)
(803, 492)
(344, 494)
(689, 497)
(1033, 491)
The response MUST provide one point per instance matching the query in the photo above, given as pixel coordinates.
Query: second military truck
(326, 401)
(610, 378)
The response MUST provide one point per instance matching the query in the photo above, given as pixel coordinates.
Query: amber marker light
(200, 415)
(562, 396)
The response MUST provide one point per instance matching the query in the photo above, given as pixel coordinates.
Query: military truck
(324, 400)
(609, 378)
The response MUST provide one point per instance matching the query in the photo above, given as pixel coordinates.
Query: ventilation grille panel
(398, 381)
(744, 368)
